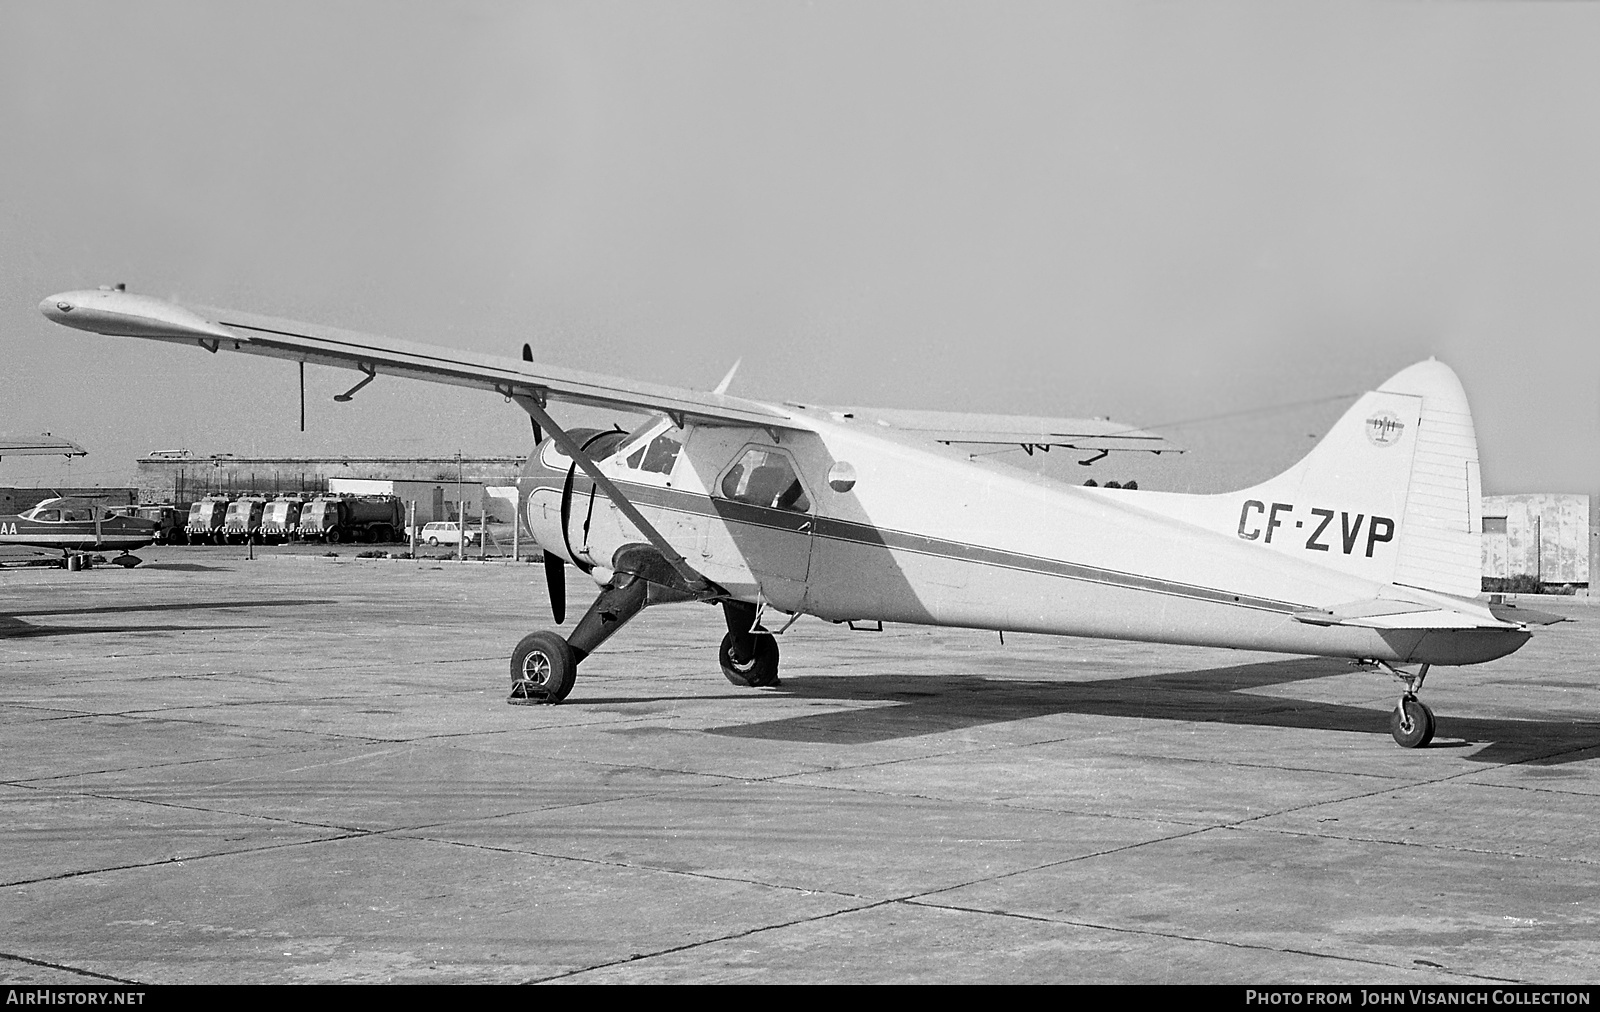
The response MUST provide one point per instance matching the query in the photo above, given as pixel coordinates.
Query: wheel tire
(543, 668)
(219, 538)
(433, 542)
(1416, 729)
(760, 671)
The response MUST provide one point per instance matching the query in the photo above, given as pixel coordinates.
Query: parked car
(445, 532)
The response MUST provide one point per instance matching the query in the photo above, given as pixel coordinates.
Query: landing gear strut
(1412, 722)
(544, 665)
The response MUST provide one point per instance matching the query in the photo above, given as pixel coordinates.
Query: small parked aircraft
(1368, 548)
(76, 523)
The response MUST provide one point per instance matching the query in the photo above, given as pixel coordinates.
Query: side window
(49, 516)
(766, 478)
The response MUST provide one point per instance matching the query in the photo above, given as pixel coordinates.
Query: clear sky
(1167, 213)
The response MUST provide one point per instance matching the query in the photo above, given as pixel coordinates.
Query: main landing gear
(749, 653)
(1412, 722)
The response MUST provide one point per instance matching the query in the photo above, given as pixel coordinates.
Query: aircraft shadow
(183, 567)
(15, 628)
(1211, 695)
(107, 609)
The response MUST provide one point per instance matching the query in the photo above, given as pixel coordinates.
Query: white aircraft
(1367, 549)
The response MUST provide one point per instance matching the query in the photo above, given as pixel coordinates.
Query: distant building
(1548, 537)
(179, 477)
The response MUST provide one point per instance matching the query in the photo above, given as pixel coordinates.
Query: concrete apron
(302, 769)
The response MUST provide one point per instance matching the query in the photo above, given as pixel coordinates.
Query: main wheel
(543, 668)
(334, 535)
(759, 671)
(433, 542)
(1413, 725)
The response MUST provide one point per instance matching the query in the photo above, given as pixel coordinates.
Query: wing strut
(570, 447)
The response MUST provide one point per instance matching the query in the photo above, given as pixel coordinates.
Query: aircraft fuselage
(878, 529)
(72, 525)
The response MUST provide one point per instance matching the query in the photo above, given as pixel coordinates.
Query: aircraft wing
(119, 313)
(1028, 431)
(22, 445)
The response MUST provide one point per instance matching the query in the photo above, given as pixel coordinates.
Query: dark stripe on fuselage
(851, 532)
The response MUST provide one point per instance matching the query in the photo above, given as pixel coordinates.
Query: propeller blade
(556, 580)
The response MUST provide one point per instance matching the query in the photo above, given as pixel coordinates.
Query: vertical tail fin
(1390, 494)
(1405, 456)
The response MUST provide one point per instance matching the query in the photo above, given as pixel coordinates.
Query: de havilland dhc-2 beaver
(1366, 549)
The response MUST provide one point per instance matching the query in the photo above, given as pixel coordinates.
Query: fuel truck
(336, 518)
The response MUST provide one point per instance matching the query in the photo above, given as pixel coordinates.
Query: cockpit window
(78, 515)
(658, 455)
(48, 516)
(766, 478)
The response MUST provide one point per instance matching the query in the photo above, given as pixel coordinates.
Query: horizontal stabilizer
(1384, 614)
(1523, 616)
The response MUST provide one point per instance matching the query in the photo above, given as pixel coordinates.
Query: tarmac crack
(134, 866)
(1178, 936)
(687, 946)
(654, 869)
(62, 966)
(1446, 848)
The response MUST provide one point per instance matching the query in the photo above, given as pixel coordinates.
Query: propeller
(556, 580)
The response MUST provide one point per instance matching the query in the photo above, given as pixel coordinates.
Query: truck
(280, 521)
(206, 517)
(243, 519)
(171, 520)
(336, 518)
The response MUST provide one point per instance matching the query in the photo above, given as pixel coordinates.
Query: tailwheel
(1411, 723)
(543, 668)
(757, 671)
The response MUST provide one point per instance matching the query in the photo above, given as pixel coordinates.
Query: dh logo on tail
(1385, 428)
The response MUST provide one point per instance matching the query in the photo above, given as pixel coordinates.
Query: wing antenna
(727, 380)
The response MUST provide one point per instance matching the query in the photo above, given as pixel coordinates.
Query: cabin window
(48, 516)
(77, 516)
(766, 478)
